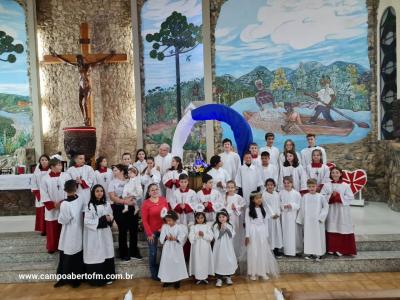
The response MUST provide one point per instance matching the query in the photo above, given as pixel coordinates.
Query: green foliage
(9, 103)
(7, 46)
(7, 130)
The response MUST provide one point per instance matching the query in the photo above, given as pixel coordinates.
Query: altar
(15, 195)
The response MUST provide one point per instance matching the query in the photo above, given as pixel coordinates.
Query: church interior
(104, 80)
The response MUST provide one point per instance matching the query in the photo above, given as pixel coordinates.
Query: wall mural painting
(173, 68)
(280, 63)
(16, 124)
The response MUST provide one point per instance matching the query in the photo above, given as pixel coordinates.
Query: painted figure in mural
(326, 96)
(292, 119)
(85, 86)
(262, 96)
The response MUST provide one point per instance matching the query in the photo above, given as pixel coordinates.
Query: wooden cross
(85, 61)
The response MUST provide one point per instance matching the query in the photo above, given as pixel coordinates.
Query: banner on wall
(295, 67)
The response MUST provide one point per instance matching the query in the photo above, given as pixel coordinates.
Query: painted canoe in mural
(322, 127)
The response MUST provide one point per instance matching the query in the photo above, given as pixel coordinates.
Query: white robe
(154, 177)
(299, 177)
(271, 171)
(85, 173)
(225, 262)
(140, 165)
(273, 154)
(98, 243)
(52, 189)
(133, 188)
(290, 230)
(306, 155)
(249, 179)
(231, 163)
(339, 217)
(189, 198)
(37, 177)
(164, 163)
(272, 204)
(220, 175)
(282, 158)
(214, 197)
(256, 161)
(104, 179)
(320, 174)
(71, 219)
(239, 203)
(171, 175)
(201, 263)
(172, 264)
(312, 214)
(260, 260)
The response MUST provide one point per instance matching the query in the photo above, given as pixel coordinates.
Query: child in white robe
(141, 160)
(312, 214)
(234, 204)
(291, 167)
(184, 201)
(225, 262)
(219, 175)
(291, 231)
(255, 155)
(209, 197)
(70, 244)
(272, 202)
(103, 174)
(248, 178)
(289, 145)
(260, 260)
(318, 170)
(51, 194)
(84, 176)
(230, 159)
(267, 169)
(306, 153)
(171, 178)
(150, 174)
(172, 265)
(271, 149)
(340, 239)
(201, 263)
(98, 244)
(133, 189)
(41, 170)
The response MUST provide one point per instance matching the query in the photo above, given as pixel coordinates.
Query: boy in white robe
(312, 214)
(201, 263)
(219, 175)
(271, 201)
(126, 159)
(248, 178)
(306, 153)
(51, 194)
(290, 204)
(150, 175)
(184, 200)
(271, 149)
(83, 175)
(209, 197)
(268, 170)
(172, 265)
(70, 244)
(255, 155)
(230, 159)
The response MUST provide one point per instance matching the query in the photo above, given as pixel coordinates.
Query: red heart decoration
(331, 165)
(357, 179)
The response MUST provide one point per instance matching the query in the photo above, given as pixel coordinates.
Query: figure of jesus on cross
(85, 62)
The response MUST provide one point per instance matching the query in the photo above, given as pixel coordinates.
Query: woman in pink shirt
(152, 222)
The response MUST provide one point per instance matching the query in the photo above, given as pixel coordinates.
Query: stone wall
(14, 203)
(112, 85)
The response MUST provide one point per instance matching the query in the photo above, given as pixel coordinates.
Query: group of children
(273, 204)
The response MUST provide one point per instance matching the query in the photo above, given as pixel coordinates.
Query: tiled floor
(242, 288)
(373, 218)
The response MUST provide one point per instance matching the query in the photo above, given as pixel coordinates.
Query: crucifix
(84, 61)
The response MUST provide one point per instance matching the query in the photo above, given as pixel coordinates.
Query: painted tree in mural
(176, 37)
(7, 46)
(280, 83)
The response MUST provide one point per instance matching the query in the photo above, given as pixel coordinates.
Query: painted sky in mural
(161, 100)
(15, 104)
(284, 49)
